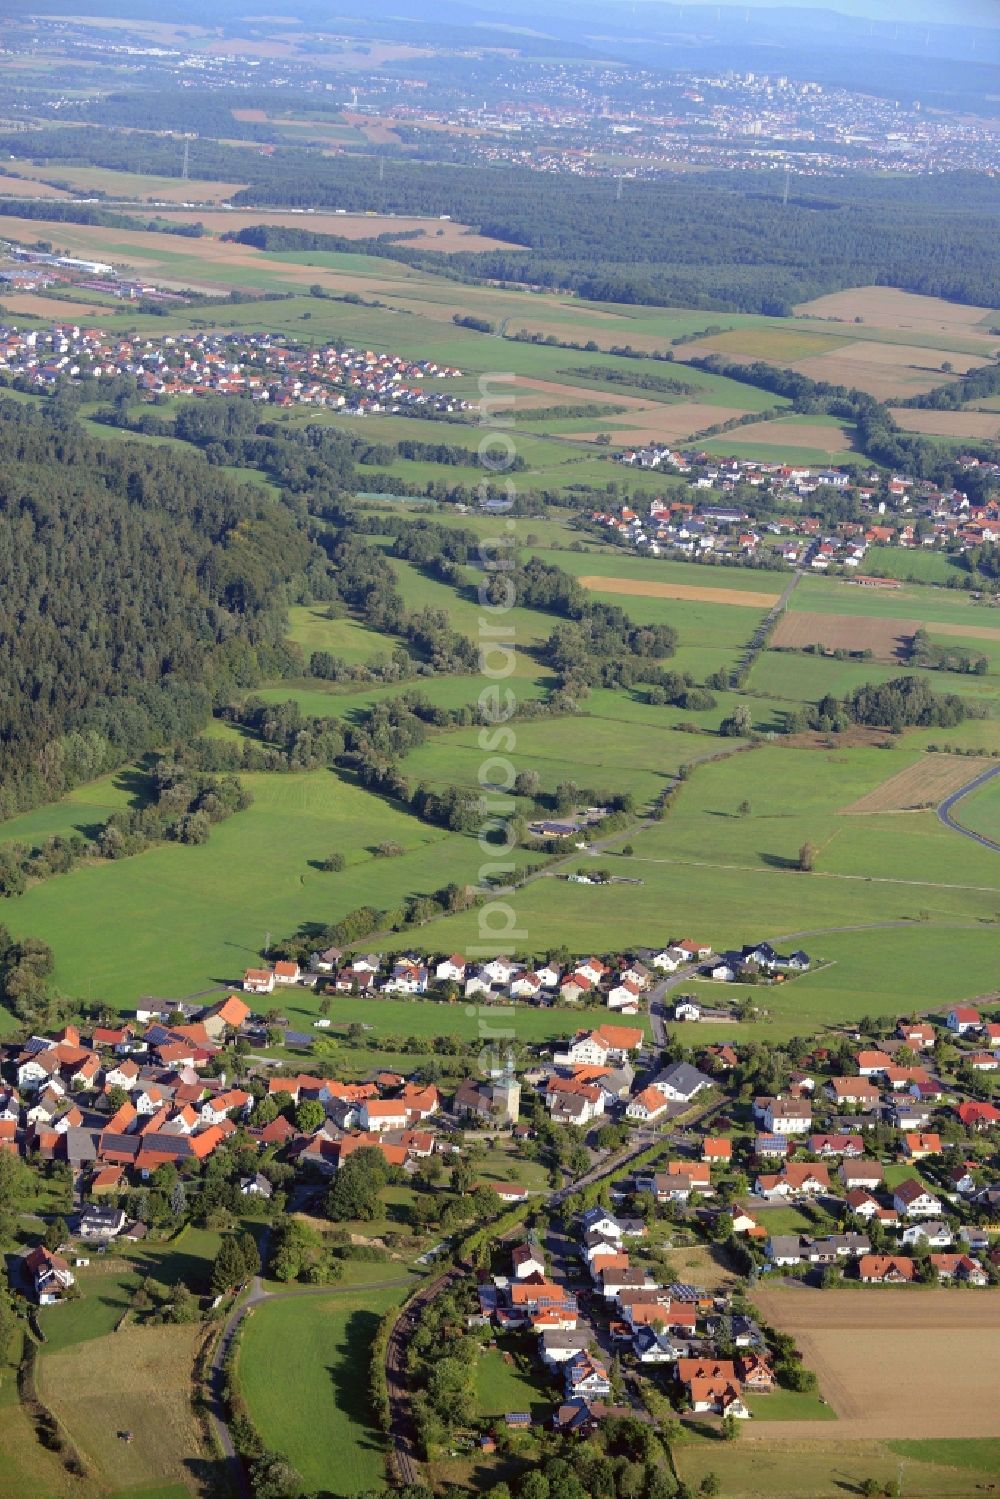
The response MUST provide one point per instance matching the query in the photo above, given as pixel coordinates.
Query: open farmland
(958, 424)
(877, 1398)
(981, 810)
(125, 186)
(887, 371)
(661, 423)
(887, 639)
(829, 1467)
(927, 781)
(27, 187)
(277, 844)
(885, 307)
(431, 233)
(653, 589)
(825, 437)
(137, 1380)
(775, 344)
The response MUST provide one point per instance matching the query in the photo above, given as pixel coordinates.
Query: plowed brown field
(887, 639)
(866, 1346)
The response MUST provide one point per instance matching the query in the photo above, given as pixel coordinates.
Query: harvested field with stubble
(790, 434)
(865, 1345)
(887, 639)
(956, 424)
(884, 307)
(649, 588)
(688, 419)
(26, 187)
(929, 781)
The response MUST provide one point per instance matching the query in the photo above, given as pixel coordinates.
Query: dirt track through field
(929, 781)
(651, 589)
(887, 639)
(894, 1361)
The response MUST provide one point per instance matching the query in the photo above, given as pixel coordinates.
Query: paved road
(657, 1001)
(945, 809)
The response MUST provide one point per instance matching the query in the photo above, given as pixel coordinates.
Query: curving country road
(217, 1369)
(944, 810)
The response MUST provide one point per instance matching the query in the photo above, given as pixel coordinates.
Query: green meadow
(980, 811)
(179, 920)
(298, 1367)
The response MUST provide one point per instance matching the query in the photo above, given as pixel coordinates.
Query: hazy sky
(947, 12)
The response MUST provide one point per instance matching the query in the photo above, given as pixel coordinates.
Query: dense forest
(139, 587)
(709, 241)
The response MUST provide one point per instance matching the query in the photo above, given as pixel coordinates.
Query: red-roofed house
(962, 1019)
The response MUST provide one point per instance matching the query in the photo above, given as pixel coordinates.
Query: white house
(625, 997)
(912, 1200)
(648, 1106)
(406, 978)
(687, 1009)
(597, 1221)
(50, 1275)
(451, 970)
(788, 1116)
(527, 1261)
(378, 1115)
(681, 1082)
(258, 981)
(499, 970)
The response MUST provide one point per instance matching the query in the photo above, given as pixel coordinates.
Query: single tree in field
(229, 1268)
(56, 1233)
(743, 810)
(807, 857)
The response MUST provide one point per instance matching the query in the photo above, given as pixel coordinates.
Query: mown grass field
(980, 811)
(826, 1469)
(800, 678)
(501, 1387)
(300, 1363)
(923, 564)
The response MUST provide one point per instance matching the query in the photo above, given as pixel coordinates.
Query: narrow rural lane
(944, 811)
(657, 1001)
(217, 1369)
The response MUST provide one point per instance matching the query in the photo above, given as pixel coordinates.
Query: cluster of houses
(811, 1145)
(257, 365)
(751, 962)
(622, 1312)
(594, 1077)
(898, 511)
(618, 986)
